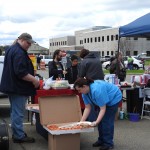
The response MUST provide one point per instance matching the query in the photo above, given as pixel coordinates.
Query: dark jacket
(17, 64)
(91, 67)
(72, 74)
(119, 69)
(54, 70)
(38, 59)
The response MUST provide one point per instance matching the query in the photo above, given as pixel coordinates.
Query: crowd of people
(101, 98)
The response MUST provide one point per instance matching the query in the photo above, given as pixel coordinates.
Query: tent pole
(117, 67)
(118, 44)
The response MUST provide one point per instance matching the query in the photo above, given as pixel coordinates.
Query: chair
(146, 104)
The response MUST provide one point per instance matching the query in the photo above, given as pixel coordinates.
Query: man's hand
(36, 83)
(64, 71)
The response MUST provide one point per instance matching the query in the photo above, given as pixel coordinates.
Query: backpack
(4, 135)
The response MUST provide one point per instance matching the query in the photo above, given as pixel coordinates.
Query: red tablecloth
(53, 92)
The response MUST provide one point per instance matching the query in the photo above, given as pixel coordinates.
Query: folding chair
(146, 104)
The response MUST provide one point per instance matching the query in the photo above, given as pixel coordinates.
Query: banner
(33, 59)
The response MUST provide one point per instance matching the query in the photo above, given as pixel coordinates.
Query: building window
(127, 53)
(116, 36)
(112, 37)
(50, 44)
(135, 52)
(87, 40)
(127, 38)
(102, 38)
(65, 42)
(80, 42)
(112, 53)
(108, 53)
(148, 53)
(95, 39)
(135, 38)
(99, 39)
(102, 53)
(107, 37)
(91, 40)
(84, 40)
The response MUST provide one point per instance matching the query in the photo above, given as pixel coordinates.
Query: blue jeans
(17, 110)
(106, 126)
(130, 66)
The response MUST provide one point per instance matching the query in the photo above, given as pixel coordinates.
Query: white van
(1, 70)
(46, 59)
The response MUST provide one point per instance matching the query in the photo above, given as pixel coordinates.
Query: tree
(3, 48)
(126, 45)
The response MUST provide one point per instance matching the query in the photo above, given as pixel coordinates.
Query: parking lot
(128, 135)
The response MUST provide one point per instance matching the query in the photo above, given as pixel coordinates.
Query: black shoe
(97, 144)
(25, 139)
(106, 147)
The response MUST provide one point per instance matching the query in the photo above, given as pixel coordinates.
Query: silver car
(1, 70)
(137, 64)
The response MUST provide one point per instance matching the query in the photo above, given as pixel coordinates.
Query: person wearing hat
(18, 82)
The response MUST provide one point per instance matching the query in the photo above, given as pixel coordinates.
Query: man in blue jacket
(19, 83)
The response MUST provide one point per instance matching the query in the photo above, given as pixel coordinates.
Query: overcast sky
(45, 19)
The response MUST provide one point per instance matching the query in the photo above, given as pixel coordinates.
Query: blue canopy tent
(138, 28)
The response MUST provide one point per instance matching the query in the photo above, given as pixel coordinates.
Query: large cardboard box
(61, 110)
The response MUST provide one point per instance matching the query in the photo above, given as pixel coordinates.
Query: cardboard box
(72, 131)
(64, 142)
(61, 110)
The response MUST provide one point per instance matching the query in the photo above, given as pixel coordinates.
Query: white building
(103, 39)
(61, 42)
(37, 49)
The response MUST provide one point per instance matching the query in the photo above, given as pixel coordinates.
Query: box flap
(59, 109)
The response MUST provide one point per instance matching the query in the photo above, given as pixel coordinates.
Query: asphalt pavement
(128, 135)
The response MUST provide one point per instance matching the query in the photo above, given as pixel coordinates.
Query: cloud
(45, 19)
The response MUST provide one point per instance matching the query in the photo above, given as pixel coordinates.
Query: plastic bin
(135, 117)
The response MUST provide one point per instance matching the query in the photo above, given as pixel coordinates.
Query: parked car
(105, 58)
(136, 63)
(1, 70)
(143, 56)
(46, 59)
